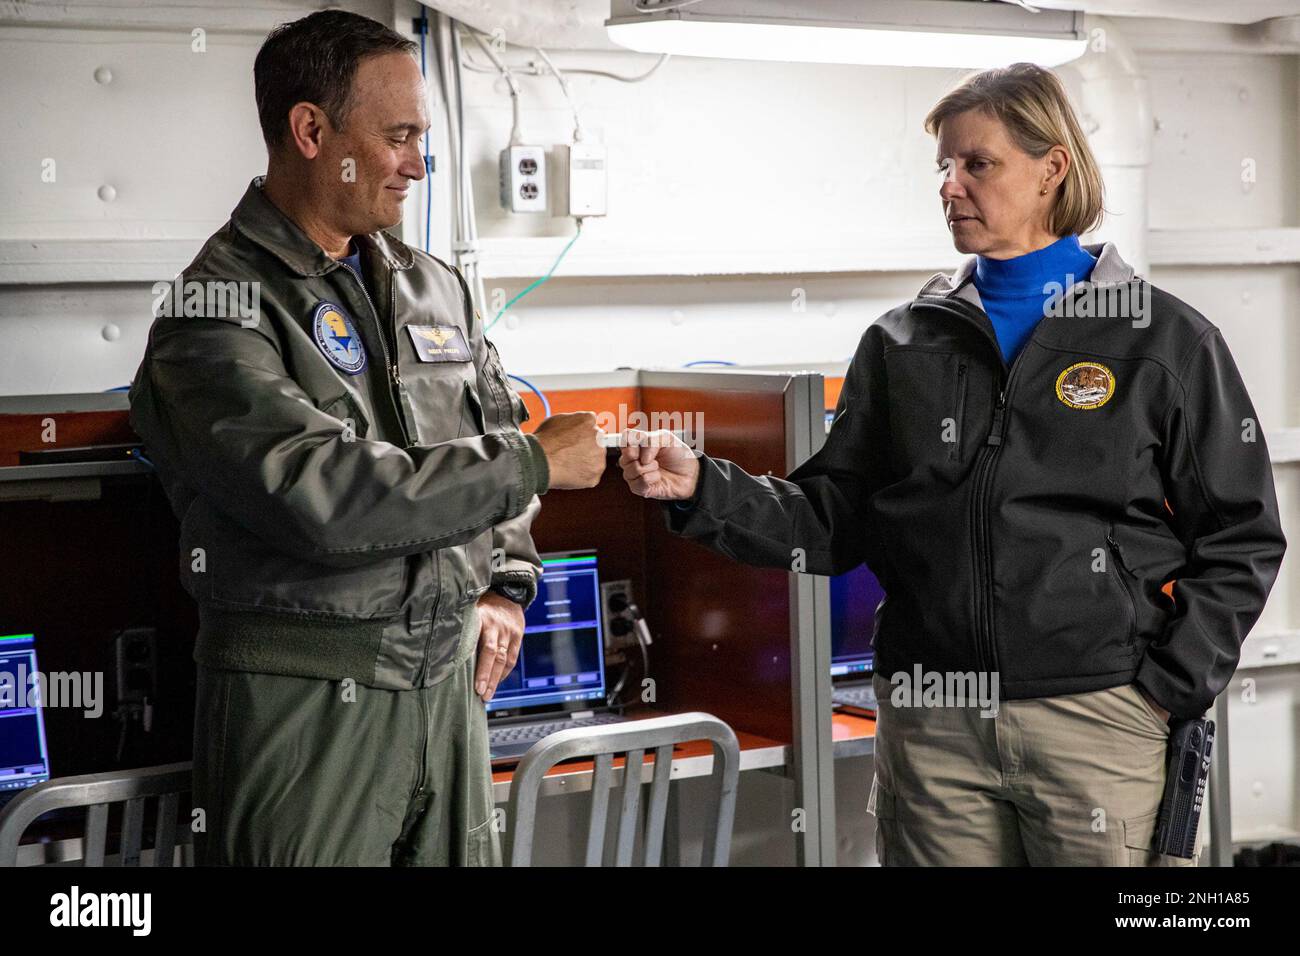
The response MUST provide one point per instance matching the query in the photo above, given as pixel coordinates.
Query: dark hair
(314, 60)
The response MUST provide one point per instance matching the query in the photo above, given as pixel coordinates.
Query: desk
(693, 759)
(71, 481)
(853, 737)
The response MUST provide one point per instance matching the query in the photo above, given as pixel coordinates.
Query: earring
(1043, 191)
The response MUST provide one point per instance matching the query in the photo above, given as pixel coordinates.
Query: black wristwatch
(511, 592)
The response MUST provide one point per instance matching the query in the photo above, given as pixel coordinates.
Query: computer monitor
(855, 595)
(562, 659)
(24, 756)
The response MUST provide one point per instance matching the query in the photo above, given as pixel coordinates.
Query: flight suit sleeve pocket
(345, 410)
(472, 422)
(521, 410)
(518, 410)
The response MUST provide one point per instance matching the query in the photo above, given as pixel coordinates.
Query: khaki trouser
(1073, 780)
(305, 772)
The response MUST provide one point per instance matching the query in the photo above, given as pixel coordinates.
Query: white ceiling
(1213, 11)
(579, 24)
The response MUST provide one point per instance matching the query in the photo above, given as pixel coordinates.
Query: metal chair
(632, 738)
(97, 791)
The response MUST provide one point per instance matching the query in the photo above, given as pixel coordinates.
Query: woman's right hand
(658, 465)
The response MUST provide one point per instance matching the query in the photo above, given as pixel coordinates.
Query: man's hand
(658, 465)
(574, 450)
(501, 629)
(1164, 714)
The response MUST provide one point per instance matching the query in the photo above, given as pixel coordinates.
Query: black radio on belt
(1187, 767)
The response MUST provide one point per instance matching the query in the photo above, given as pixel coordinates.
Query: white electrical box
(579, 179)
(523, 179)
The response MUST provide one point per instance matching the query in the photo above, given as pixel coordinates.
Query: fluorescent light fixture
(936, 33)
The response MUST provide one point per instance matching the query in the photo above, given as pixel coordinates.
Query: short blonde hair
(1032, 104)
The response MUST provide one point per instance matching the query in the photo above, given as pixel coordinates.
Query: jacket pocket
(1121, 573)
(467, 570)
(927, 409)
(1064, 613)
(959, 413)
(472, 422)
(246, 573)
(1149, 556)
(438, 399)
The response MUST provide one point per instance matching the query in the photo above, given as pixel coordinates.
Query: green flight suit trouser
(293, 771)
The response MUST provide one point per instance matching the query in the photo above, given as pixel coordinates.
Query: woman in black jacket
(1025, 455)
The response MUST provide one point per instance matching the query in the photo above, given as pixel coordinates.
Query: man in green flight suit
(354, 492)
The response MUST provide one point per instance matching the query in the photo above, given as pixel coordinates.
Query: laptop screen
(24, 757)
(854, 598)
(562, 658)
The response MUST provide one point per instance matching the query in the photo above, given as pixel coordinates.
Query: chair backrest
(96, 791)
(632, 738)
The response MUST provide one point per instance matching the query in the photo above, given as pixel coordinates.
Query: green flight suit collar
(261, 221)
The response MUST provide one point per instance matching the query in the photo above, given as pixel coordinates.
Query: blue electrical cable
(546, 406)
(535, 284)
(699, 362)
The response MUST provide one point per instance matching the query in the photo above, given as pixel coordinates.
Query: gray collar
(1109, 270)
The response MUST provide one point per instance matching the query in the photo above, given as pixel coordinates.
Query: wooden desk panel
(73, 429)
(722, 628)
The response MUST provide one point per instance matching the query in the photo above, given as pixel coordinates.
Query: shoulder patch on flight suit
(337, 337)
(439, 343)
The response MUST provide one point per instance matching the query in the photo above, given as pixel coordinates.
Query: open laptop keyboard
(513, 740)
(862, 697)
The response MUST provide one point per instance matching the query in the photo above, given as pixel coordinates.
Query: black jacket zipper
(981, 544)
(1121, 569)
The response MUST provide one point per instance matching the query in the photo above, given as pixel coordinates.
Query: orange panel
(722, 629)
(833, 387)
(73, 430)
(692, 748)
(851, 727)
(580, 400)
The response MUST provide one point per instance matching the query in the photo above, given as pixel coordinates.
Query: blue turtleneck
(1015, 291)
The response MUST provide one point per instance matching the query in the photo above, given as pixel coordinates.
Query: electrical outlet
(615, 596)
(136, 653)
(522, 172)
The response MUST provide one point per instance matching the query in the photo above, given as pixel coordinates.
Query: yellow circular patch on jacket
(1085, 385)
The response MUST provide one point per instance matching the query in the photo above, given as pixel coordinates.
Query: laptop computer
(855, 596)
(24, 753)
(559, 680)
